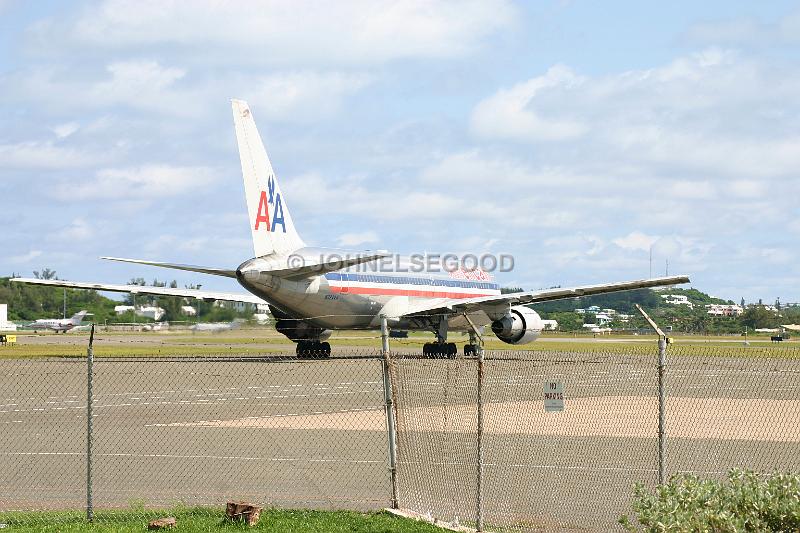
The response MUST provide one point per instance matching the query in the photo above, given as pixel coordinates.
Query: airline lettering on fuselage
(264, 202)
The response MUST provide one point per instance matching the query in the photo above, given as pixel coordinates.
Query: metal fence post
(479, 487)
(389, 403)
(662, 429)
(89, 423)
(662, 363)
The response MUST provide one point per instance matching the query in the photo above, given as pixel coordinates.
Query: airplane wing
(139, 289)
(466, 305)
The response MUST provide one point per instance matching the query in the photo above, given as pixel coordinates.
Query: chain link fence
(280, 432)
(187, 431)
(574, 470)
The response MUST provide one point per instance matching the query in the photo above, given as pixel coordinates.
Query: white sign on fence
(553, 396)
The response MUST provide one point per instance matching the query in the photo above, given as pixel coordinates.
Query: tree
(759, 317)
(46, 273)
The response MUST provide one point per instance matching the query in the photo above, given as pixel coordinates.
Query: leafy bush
(745, 501)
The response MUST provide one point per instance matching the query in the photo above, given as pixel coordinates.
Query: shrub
(745, 501)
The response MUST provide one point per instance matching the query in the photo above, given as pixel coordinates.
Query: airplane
(58, 324)
(216, 327)
(313, 291)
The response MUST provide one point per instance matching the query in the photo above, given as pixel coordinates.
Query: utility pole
(65, 303)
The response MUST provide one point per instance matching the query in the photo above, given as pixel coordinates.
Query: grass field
(202, 519)
(265, 341)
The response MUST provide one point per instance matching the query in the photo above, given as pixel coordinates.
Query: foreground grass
(204, 519)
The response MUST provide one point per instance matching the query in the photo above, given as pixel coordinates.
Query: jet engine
(521, 326)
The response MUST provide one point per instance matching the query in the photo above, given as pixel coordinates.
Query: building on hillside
(603, 318)
(147, 311)
(724, 309)
(5, 325)
(677, 299)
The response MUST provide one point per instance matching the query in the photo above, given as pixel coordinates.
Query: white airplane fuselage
(357, 297)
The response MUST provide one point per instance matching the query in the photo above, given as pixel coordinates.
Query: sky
(578, 136)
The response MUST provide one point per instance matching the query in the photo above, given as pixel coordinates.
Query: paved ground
(311, 433)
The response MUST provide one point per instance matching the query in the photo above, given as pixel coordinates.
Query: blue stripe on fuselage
(411, 280)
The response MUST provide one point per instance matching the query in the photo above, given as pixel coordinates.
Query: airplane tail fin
(77, 318)
(270, 221)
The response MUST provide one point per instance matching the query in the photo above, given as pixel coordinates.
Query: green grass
(205, 519)
(265, 341)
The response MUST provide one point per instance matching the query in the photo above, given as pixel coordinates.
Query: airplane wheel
(302, 350)
(451, 350)
(470, 350)
(326, 349)
(426, 349)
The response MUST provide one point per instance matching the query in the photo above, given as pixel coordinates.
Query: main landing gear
(313, 350)
(440, 349)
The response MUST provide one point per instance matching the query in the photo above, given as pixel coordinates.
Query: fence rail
(473, 445)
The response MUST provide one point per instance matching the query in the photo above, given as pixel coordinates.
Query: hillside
(29, 302)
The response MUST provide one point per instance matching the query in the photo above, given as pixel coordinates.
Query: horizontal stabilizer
(191, 268)
(297, 266)
(141, 289)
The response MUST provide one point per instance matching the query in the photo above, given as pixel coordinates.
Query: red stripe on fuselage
(406, 292)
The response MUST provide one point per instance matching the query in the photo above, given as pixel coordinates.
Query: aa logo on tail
(270, 198)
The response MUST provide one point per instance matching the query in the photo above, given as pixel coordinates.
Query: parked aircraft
(58, 324)
(313, 291)
(216, 327)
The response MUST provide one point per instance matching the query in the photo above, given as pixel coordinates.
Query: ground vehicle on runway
(312, 291)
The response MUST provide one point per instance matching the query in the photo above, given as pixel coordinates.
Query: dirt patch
(607, 416)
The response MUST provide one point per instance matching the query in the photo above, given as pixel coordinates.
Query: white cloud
(302, 96)
(712, 111)
(513, 114)
(25, 258)
(66, 129)
(695, 190)
(354, 239)
(46, 155)
(131, 80)
(147, 182)
(284, 33)
(78, 230)
(636, 240)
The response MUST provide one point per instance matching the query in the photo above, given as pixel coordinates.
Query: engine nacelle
(521, 326)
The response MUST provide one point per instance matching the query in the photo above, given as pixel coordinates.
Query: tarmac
(280, 432)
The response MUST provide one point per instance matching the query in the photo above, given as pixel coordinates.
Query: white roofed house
(677, 299)
(724, 309)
